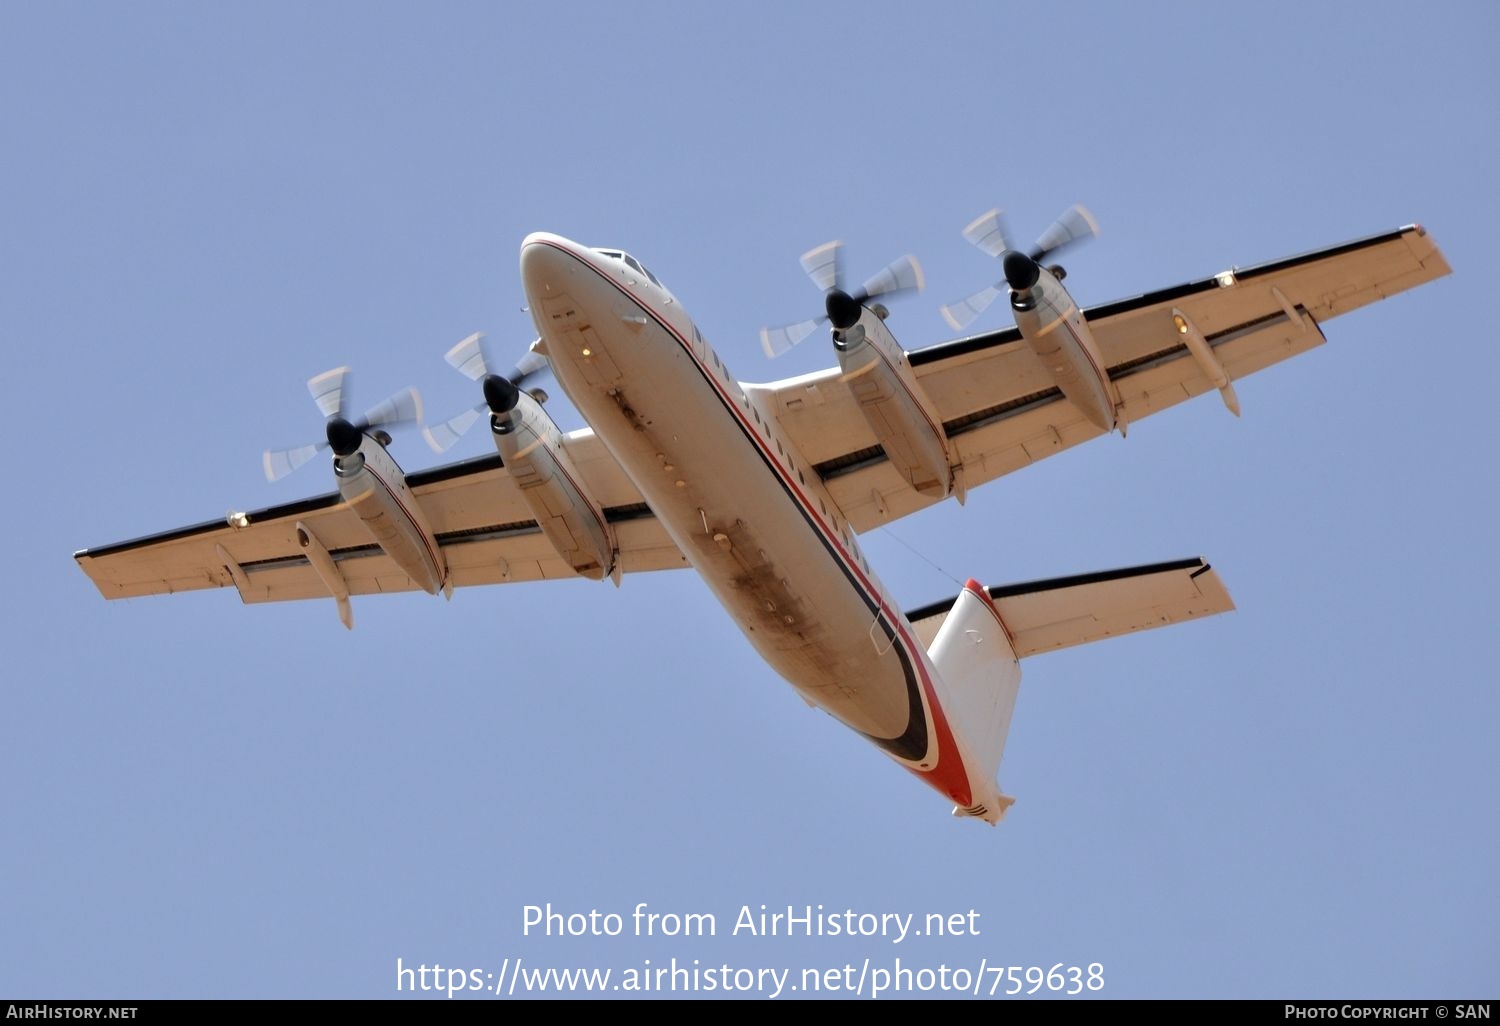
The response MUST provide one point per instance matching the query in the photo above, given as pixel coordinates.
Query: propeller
(330, 390)
(825, 266)
(1022, 269)
(501, 393)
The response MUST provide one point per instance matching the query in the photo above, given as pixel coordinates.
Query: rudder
(981, 676)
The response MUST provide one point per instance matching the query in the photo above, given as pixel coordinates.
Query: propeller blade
(278, 463)
(469, 357)
(987, 231)
(825, 265)
(904, 275)
(1076, 223)
(442, 436)
(405, 407)
(328, 390)
(528, 365)
(776, 341)
(961, 314)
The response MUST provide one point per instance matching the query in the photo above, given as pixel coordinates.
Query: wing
(1042, 616)
(485, 528)
(1000, 408)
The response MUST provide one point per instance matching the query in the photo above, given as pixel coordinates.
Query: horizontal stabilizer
(1042, 616)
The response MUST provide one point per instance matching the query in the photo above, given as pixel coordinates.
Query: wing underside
(1002, 411)
(485, 530)
(997, 404)
(1043, 616)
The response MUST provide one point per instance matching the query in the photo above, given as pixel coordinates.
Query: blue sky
(206, 205)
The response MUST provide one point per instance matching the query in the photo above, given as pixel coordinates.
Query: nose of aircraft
(547, 239)
(546, 259)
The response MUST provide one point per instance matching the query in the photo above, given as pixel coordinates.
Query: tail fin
(980, 675)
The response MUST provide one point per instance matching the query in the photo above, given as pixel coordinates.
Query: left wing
(1001, 410)
(485, 530)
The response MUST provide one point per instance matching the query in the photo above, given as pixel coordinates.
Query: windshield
(632, 263)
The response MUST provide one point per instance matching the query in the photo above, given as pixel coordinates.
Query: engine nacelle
(903, 418)
(532, 447)
(1058, 334)
(375, 488)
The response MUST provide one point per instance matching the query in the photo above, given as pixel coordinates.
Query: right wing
(485, 529)
(1001, 410)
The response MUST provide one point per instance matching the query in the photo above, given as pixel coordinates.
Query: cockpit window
(632, 263)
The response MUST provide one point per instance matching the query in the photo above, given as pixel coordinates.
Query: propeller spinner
(824, 265)
(501, 393)
(1021, 269)
(330, 390)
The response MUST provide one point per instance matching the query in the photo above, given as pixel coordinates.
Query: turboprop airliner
(763, 489)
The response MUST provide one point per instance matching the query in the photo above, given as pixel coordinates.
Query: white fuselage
(743, 506)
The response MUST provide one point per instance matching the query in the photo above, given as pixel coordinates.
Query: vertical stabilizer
(981, 676)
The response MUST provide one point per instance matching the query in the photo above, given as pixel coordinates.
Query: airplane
(764, 489)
